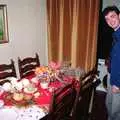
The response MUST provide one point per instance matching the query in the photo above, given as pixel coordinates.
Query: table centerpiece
(46, 74)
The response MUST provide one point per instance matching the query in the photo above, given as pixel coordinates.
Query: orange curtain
(72, 31)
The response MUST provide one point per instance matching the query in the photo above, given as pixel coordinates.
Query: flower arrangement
(43, 72)
(46, 73)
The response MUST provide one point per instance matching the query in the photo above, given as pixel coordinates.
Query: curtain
(72, 31)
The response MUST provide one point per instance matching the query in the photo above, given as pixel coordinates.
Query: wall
(111, 2)
(27, 30)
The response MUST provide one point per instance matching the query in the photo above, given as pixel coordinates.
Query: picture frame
(4, 38)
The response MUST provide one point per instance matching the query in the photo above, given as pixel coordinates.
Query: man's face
(113, 19)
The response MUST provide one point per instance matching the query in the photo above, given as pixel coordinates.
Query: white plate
(8, 114)
(26, 90)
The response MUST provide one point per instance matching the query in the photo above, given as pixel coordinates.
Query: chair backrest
(86, 94)
(87, 79)
(7, 70)
(63, 102)
(27, 65)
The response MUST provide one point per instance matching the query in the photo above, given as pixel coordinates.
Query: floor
(99, 111)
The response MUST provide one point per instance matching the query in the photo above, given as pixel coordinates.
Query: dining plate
(30, 90)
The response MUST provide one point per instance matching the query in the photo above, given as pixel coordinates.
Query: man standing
(112, 18)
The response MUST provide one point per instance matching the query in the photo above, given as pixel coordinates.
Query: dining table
(38, 108)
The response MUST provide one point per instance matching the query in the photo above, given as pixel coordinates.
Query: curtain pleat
(72, 31)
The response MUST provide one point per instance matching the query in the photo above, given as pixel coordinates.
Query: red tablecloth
(45, 97)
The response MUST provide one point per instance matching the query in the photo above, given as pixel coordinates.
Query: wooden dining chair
(28, 65)
(86, 95)
(63, 102)
(7, 70)
(77, 87)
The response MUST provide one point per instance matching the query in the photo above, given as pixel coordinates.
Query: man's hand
(115, 89)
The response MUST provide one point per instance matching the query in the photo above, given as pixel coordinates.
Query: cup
(44, 85)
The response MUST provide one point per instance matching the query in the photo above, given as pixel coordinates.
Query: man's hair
(110, 9)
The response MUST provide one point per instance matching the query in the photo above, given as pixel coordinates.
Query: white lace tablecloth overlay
(14, 113)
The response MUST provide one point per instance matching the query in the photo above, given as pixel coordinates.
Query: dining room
(32, 29)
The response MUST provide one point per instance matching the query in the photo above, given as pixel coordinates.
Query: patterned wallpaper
(111, 2)
(117, 3)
